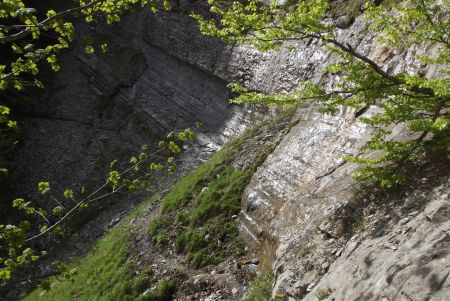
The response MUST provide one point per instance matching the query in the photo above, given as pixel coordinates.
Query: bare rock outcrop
(293, 207)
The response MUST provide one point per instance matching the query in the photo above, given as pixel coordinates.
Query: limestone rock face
(296, 207)
(104, 106)
(408, 261)
(299, 208)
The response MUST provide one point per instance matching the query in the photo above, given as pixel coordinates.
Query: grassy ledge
(197, 216)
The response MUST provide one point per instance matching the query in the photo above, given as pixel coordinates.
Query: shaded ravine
(105, 106)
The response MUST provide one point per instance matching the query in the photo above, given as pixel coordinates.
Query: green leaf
(174, 147)
(104, 48)
(68, 194)
(51, 13)
(43, 229)
(58, 210)
(5, 274)
(89, 49)
(4, 110)
(44, 187)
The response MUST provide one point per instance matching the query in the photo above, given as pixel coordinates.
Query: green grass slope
(197, 219)
(105, 273)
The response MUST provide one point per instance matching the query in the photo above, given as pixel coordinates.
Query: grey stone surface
(292, 206)
(294, 200)
(105, 106)
(409, 262)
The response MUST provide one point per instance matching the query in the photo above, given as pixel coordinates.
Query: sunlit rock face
(299, 209)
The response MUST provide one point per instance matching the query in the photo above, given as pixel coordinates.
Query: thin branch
(90, 198)
(43, 216)
(25, 32)
(56, 200)
(28, 279)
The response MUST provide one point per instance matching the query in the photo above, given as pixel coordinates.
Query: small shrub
(200, 259)
(140, 283)
(182, 218)
(163, 292)
(189, 240)
(161, 240)
(359, 226)
(166, 287)
(260, 288)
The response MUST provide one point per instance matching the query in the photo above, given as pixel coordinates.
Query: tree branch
(25, 32)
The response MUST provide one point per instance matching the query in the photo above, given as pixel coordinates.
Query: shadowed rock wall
(103, 105)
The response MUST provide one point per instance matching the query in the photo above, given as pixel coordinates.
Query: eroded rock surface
(105, 106)
(406, 260)
(293, 207)
(299, 209)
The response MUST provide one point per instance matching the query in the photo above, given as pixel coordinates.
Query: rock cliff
(300, 210)
(103, 107)
(301, 213)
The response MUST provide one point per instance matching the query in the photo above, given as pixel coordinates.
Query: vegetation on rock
(107, 272)
(17, 240)
(260, 288)
(197, 216)
(418, 101)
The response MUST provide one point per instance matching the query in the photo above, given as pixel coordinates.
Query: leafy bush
(260, 288)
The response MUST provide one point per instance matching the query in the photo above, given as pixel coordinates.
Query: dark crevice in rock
(331, 170)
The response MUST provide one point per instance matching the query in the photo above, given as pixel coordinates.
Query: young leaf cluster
(419, 102)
